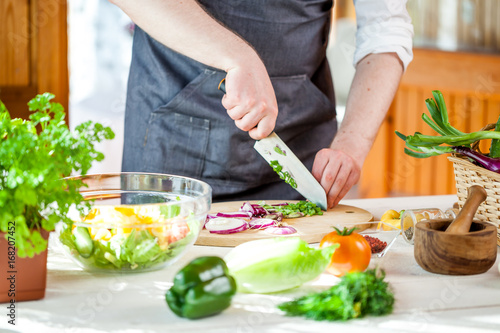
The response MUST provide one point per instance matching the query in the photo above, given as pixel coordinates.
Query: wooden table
(78, 301)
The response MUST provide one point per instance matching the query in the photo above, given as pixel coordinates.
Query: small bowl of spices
(376, 244)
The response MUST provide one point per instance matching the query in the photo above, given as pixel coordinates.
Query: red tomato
(353, 254)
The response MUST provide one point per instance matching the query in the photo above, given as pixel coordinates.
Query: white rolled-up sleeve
(383, 26)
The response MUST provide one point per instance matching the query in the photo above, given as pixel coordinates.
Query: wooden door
(33, 52)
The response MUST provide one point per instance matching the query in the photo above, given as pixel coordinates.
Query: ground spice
(409, 233)
(376, 244)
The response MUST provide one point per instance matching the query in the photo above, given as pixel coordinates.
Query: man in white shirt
(273, 56)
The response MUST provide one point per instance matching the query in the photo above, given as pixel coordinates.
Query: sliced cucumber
(83, 242)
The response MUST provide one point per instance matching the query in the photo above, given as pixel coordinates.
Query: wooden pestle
(475, 196)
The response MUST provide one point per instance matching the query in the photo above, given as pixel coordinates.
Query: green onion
(419, 145)
(495, 143)
(453, 140)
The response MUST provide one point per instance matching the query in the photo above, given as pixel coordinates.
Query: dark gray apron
(175, 122)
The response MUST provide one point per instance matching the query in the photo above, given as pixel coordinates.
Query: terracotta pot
(26, 279)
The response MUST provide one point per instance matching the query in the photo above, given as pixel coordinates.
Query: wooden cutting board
(311, 229)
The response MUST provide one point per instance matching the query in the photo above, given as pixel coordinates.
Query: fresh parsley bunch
(356, 295)
(35, 156)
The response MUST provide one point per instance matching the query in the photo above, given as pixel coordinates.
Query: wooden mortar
(457, 247)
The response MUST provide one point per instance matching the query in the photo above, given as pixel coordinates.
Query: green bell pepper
(202, 288)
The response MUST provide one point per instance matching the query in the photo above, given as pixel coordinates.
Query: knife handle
(222, 85)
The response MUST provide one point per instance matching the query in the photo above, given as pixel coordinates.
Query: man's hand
(337, 172)
(250, 100)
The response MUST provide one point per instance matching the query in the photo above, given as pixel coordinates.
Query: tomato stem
(345, 231)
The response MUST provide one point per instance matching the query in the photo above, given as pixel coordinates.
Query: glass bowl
(137, 222)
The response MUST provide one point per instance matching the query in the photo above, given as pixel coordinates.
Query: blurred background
(80, 50)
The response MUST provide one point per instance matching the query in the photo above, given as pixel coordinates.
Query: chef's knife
(288, 166)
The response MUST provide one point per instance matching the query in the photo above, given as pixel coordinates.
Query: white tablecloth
(78, 301)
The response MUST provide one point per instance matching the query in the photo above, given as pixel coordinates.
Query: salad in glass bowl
(137, 222)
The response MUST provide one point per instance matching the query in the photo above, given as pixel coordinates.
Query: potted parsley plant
(36, 156)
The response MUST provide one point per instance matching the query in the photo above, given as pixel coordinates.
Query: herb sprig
(356, 295)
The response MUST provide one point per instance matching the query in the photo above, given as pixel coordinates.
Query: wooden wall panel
(376, 166)
(15, 47)
(52, 50)
(33, 58)
(458, 72)
(491, 114)
(414, 179)
(401, 167)
(476, 119)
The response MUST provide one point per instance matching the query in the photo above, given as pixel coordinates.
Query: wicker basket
(468, 174)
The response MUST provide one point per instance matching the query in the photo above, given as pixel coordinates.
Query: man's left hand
(337, 172)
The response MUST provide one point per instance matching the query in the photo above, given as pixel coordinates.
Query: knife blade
(288, 166)
(291, 169)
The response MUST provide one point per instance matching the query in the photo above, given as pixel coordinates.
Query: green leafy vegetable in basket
(357, 295)
(495, 143)
(451, 139)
